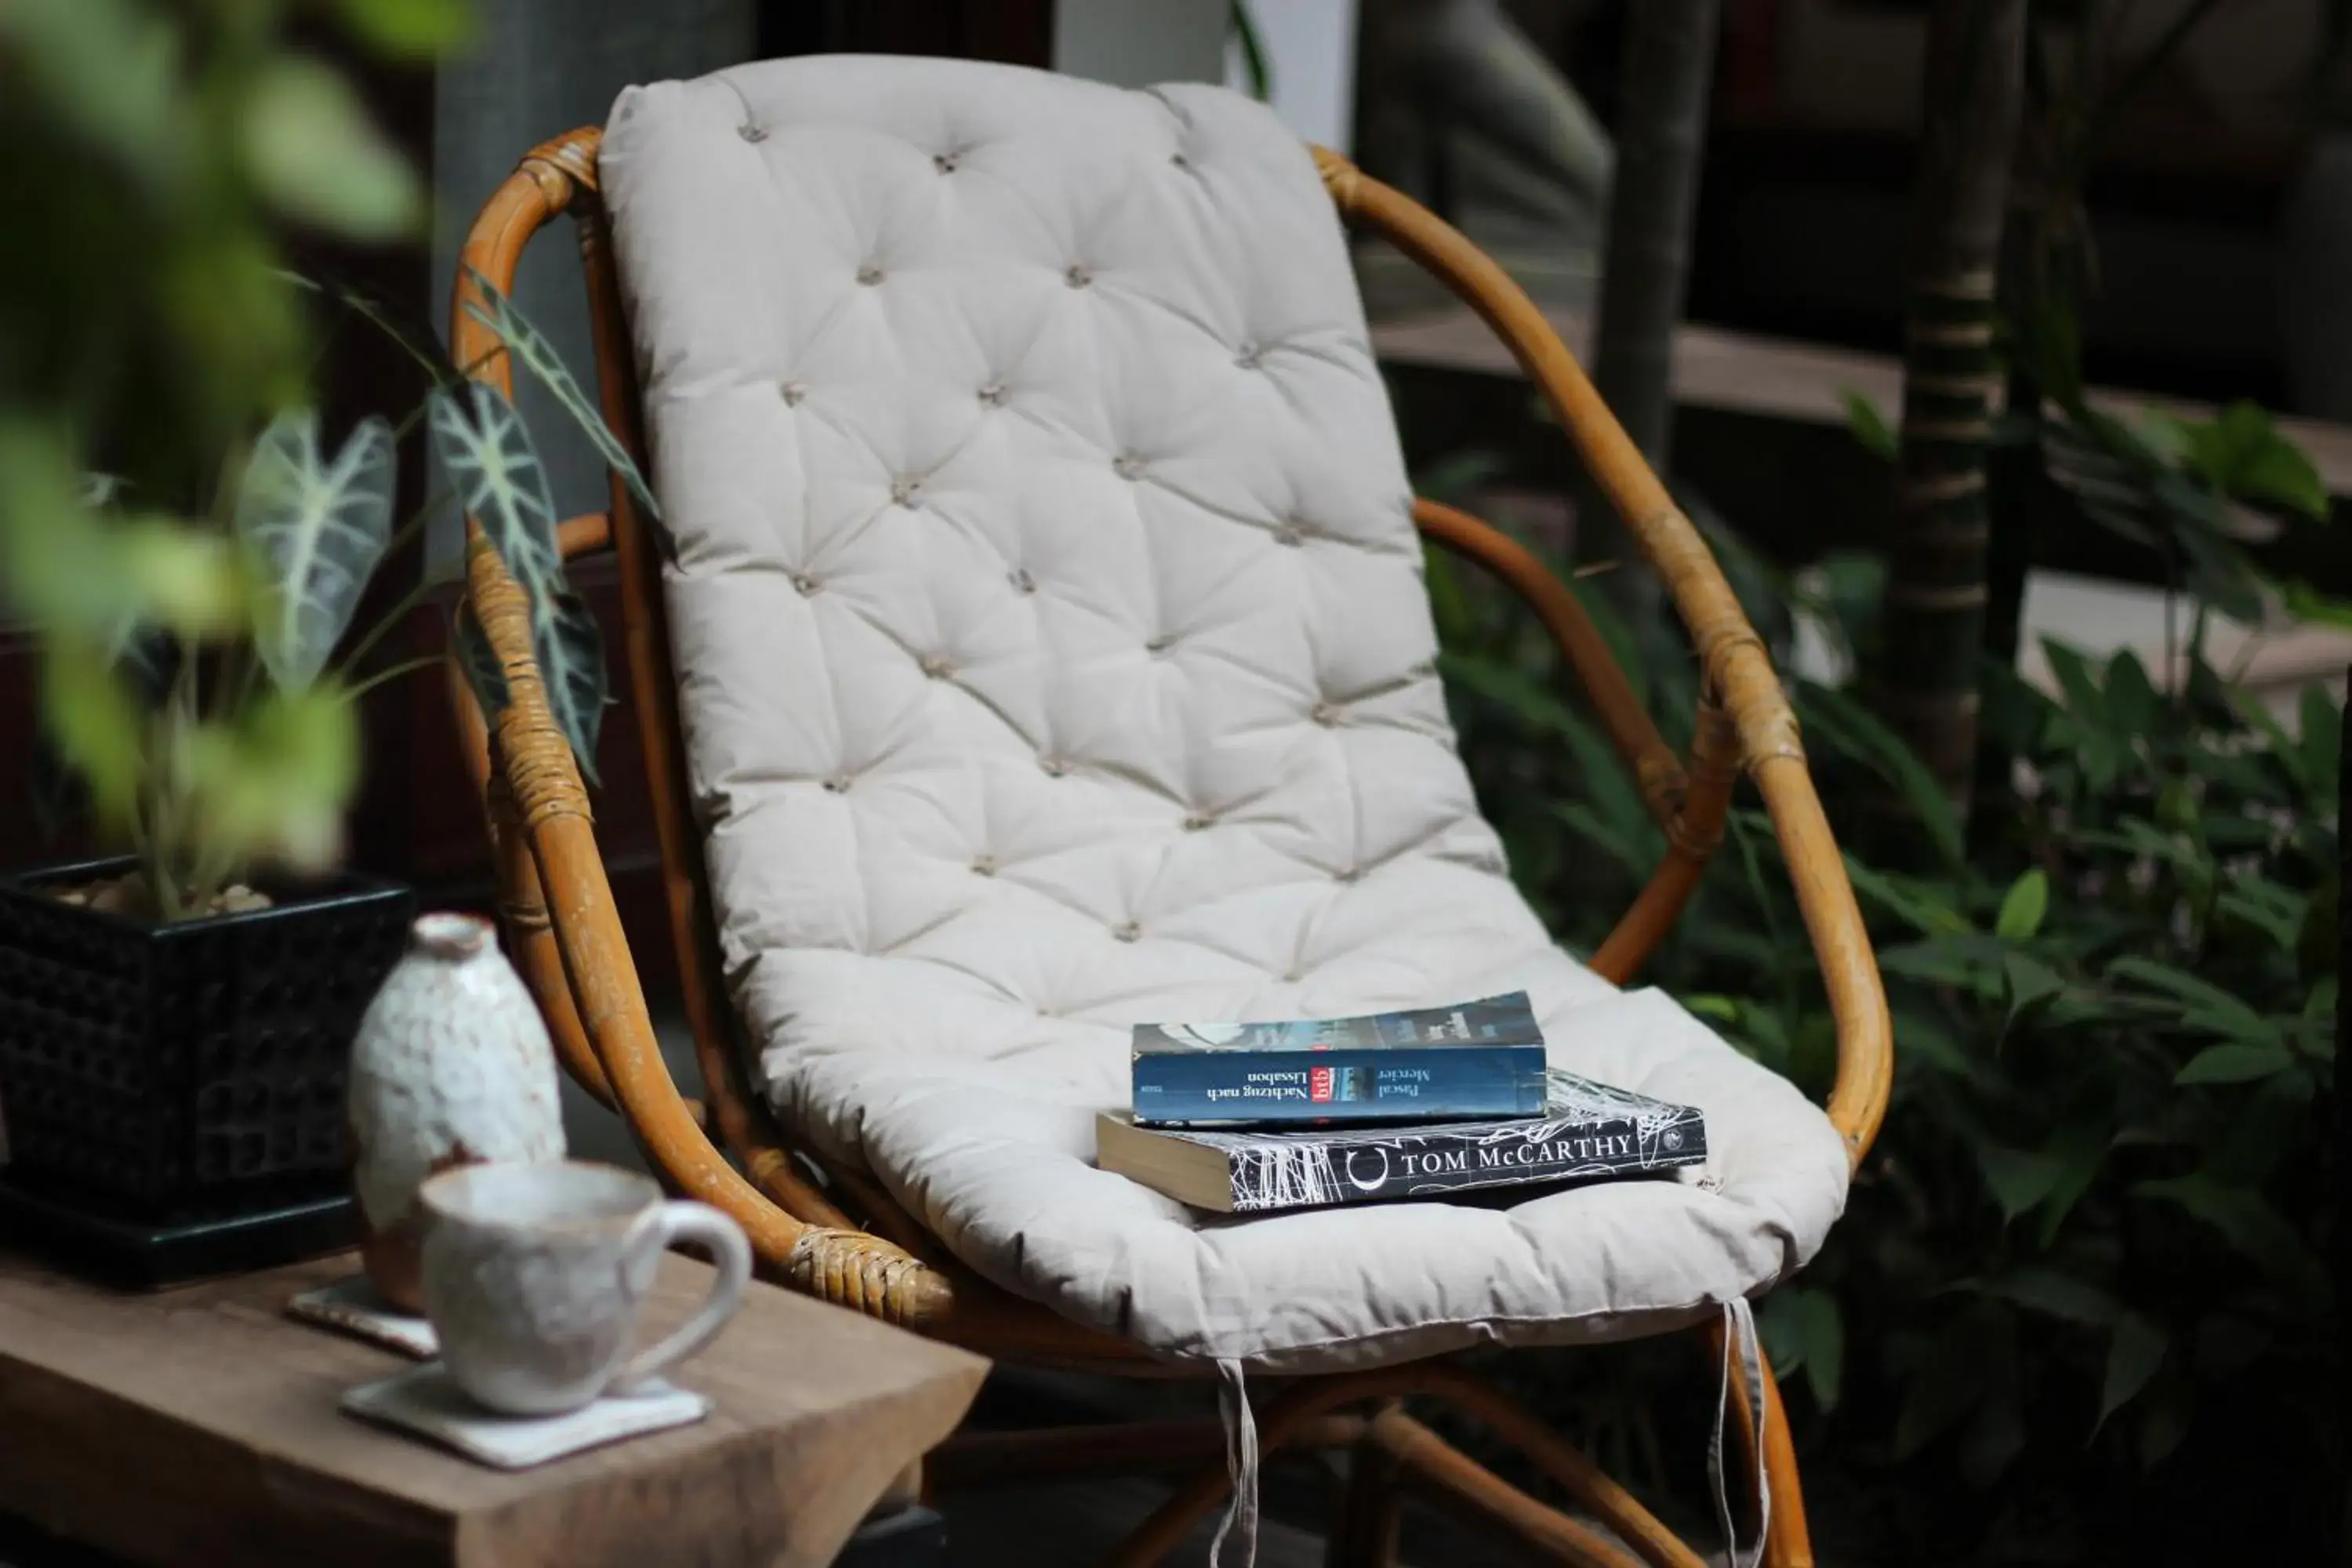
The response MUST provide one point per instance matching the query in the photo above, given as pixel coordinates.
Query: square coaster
(352, 1307)
(424, 1401)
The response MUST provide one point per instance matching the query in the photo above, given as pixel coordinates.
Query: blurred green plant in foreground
(187, 542)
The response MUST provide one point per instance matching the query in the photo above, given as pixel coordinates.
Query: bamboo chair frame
(844, 1241)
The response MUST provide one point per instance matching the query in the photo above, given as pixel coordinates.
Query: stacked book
(1237, 1118)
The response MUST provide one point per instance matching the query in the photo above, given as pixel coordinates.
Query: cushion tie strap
(1241, 1468)
(1739, 1345)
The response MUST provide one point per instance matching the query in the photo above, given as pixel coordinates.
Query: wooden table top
(199, 1425)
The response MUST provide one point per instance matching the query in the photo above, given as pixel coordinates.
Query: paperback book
(1476, 1058)
(1587, 1131)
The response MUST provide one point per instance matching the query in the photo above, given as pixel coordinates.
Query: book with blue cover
(1483, 1058)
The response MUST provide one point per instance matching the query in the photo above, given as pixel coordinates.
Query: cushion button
(1325, 714)
(1289, 535)
(839, 783)
(869, 275)
(1250, 357)
(1349, 875)
(1077, 276)
(1054, 767)
(1294, 976)
(752, 134)
(805, 582)
(1127, 931)
(793, 392)
(992, 394)
(1198, 822)
(1158, 646)
(907, 492)
(1128, 466)
(1179, 160)
(945, 162)
(937, 668)
(1022, 582)
(984, 867)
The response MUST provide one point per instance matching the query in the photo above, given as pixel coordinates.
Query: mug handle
(682, 1221)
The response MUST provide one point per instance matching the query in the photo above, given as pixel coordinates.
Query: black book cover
(1587, 1131)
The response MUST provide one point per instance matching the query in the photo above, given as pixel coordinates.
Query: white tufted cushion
(1054, 655)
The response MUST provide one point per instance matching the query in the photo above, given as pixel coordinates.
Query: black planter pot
(167, 1084)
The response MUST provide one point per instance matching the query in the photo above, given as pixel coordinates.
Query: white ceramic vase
(452, 1066)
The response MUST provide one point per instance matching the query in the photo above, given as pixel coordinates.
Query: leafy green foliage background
(2083, 1260)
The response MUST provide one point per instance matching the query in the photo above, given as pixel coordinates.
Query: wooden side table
(199, 1426)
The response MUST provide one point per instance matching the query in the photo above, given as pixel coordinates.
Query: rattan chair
(843, 1239)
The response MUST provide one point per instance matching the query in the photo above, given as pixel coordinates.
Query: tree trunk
(2013, 482)
(1645, 268)
(1933, 619)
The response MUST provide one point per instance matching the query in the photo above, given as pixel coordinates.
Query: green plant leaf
(2220, 574)
(175, 574)
(1995, 1434)
(476, 662)
(1948, 1382)
(2019, 1178)
(1925, 907)
(2075, 681)
(95, 725)
(2208, 1008)
(109, 70)
(2029, 981)
(2023, 907)
(1861, 734)
(1972, 960)
(2276, 912)
(503, 488)
(1923, 1036)
(312, 149)
(1870, 428)
(1803, 1331)
(527, 343)
(2278, 744)
(2079, 1149)
(2134, 1351)
(2315, 947)
(2131, 695)
(2248, 1223)
(2055, 1294)
(317, 529)
(2164, 1424)
(74, 573)
(2241, 453)
(574, 672)
(409, 29)
(1452, 476)
(1257, 69)
(1995, 1437)
(1625, 850)
(2230, 1063)
(2306, 602)
(1824, 1331)
(270, 786)
(2321, 729)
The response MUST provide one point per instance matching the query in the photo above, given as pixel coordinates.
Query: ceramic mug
(535, 1275)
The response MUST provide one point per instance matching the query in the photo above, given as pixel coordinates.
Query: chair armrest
(1737, 673)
